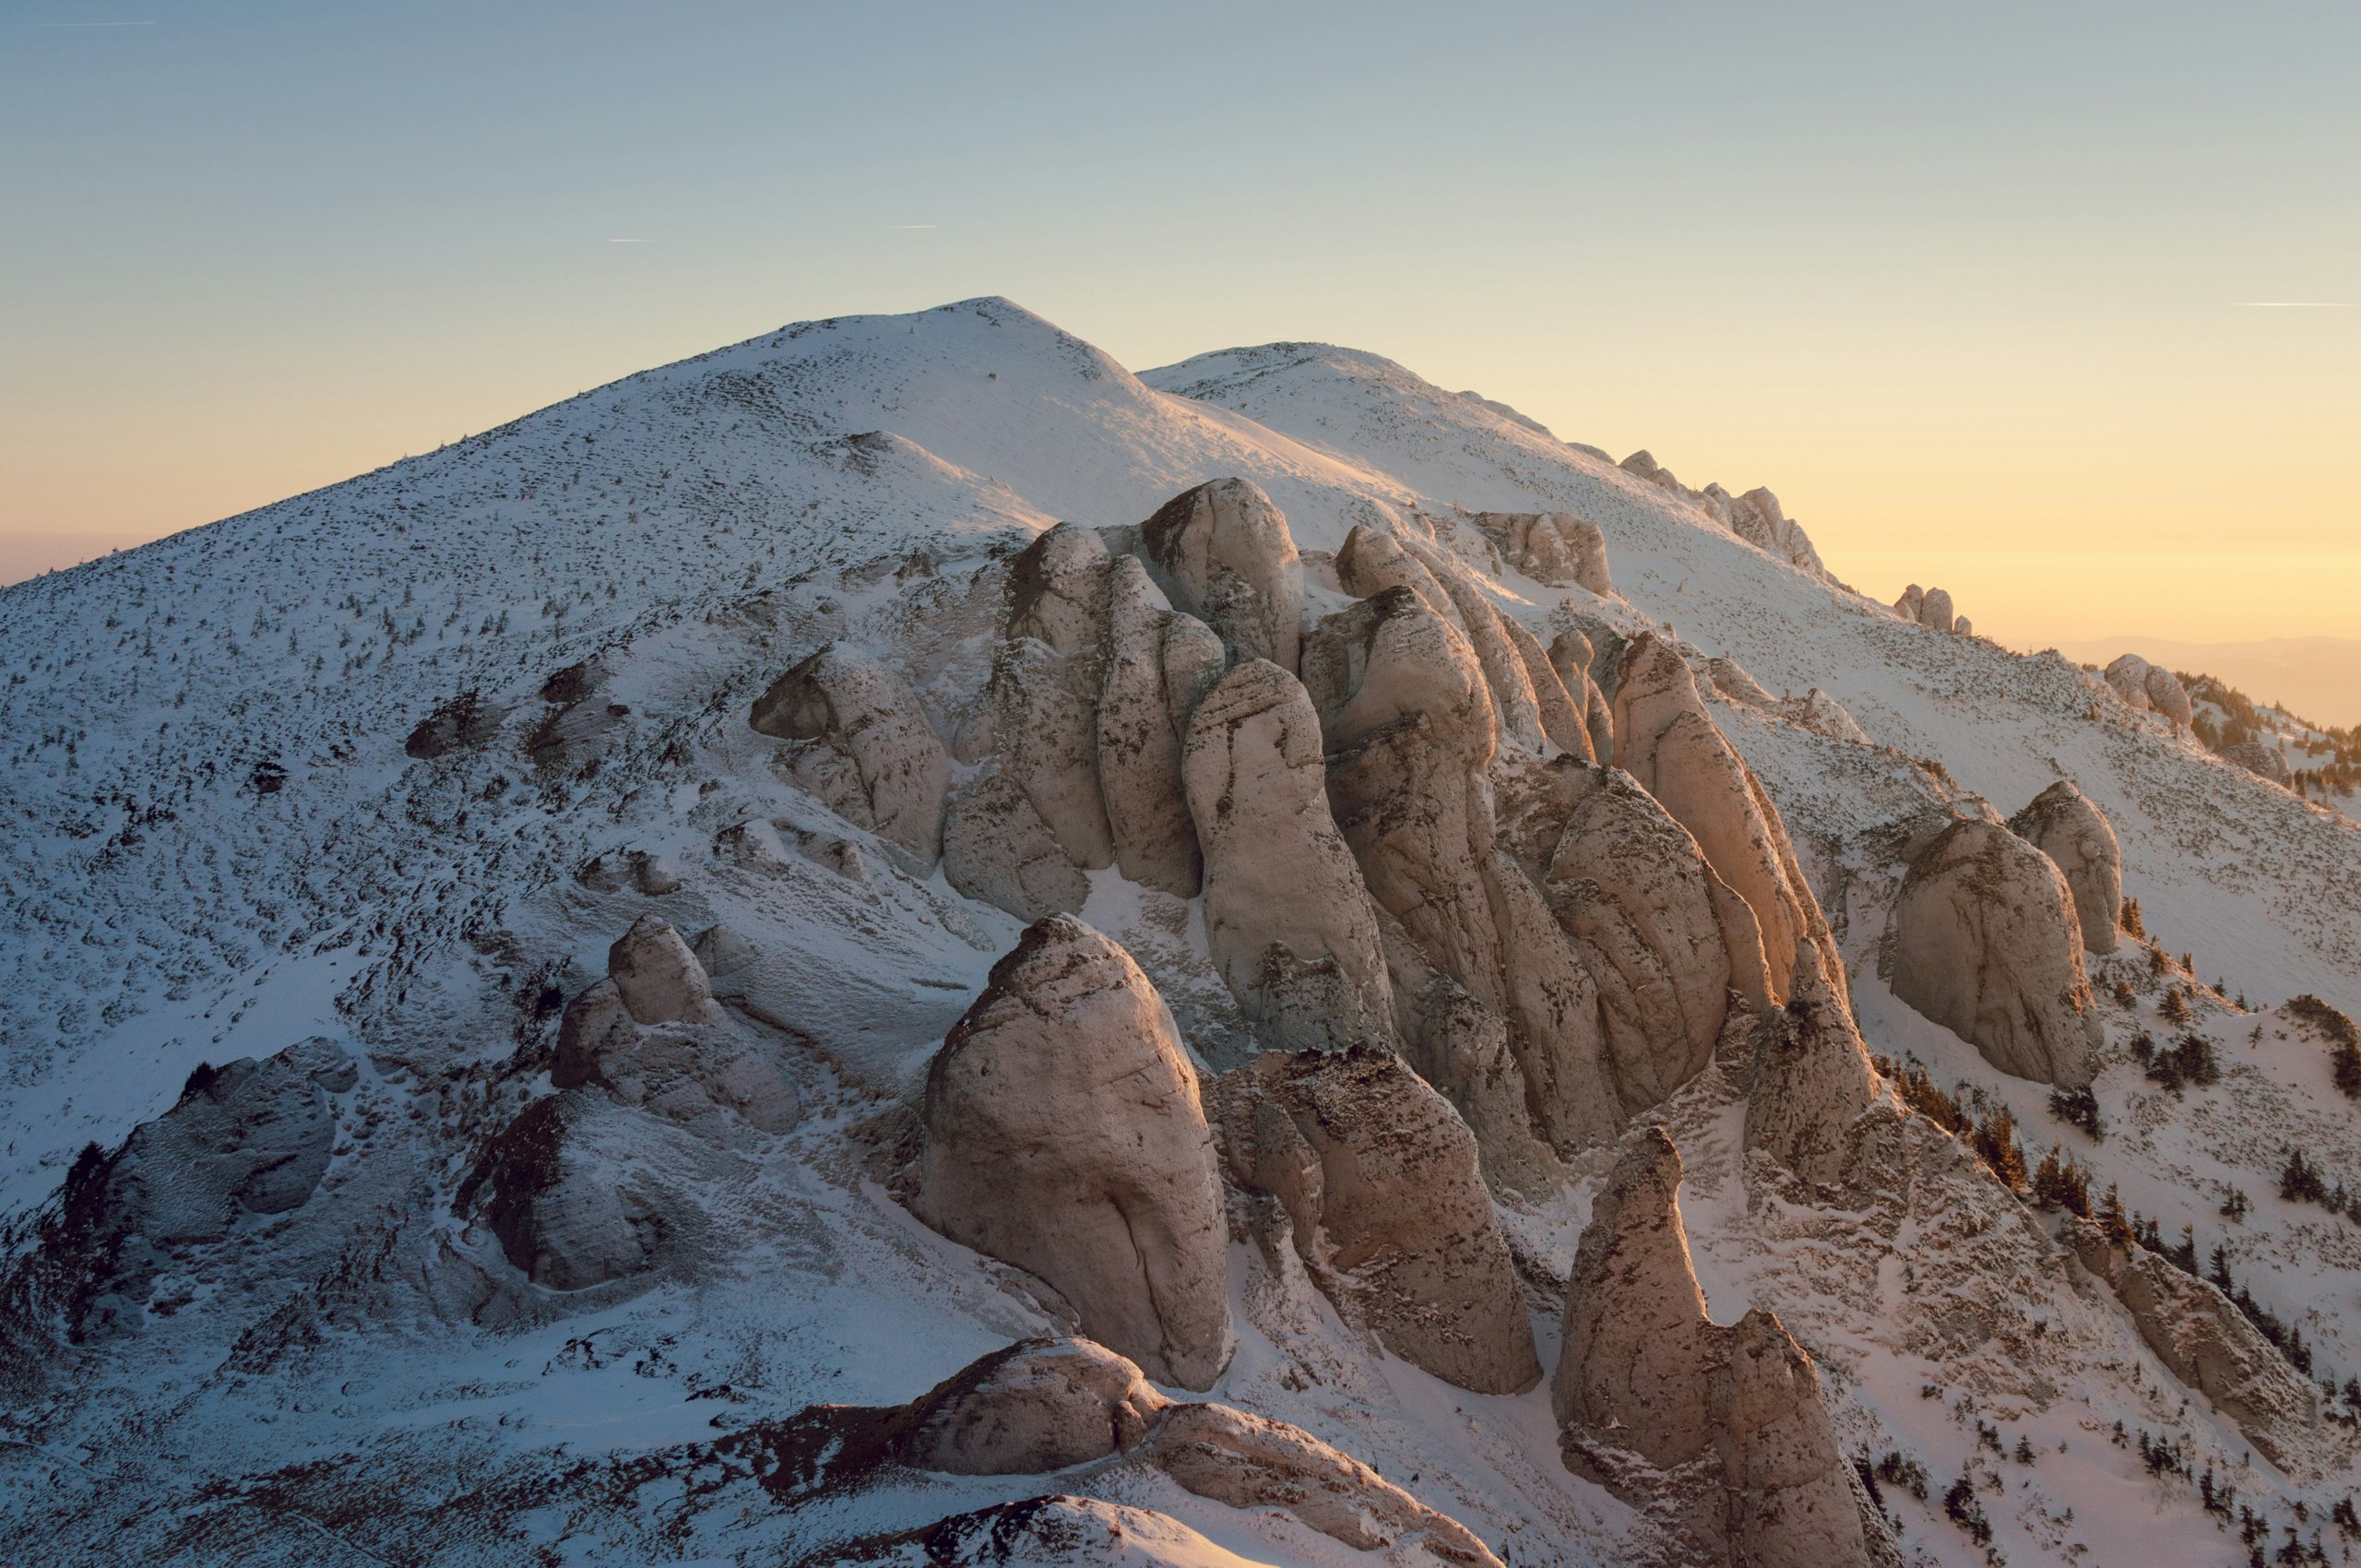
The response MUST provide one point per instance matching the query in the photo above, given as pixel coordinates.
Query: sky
(2058, 306)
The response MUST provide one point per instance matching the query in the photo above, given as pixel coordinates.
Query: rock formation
(1931, 607)
(1822, 714)
(2262, 761)
(997, 849)
(2206, 1341)
(1377, 1177)
(1731, 679)
(1224, 553)
(1064, 1135)
(1159, 665)
(652, 1035)
(1984, 941)
(1571, 655)
(1812, 1080)
(867, 750)
(1045, 1405)
(1664, 738)
(2062, 824)
(1552, 547)
(1287, 916)
(251, 1138)
(2150, 686)
(1725, 1427)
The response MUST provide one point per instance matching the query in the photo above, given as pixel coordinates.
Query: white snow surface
(217, 845)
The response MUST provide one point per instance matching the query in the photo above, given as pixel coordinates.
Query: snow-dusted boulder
(1732, 680)
(1935, 609)
(1044, 708)
(1984, 941)
(1725, 1428)
(866, 748)
(2062, 824)
(1039, 1405)
(1224, 553)
(1064, 1135)
(1379, 1179)
(2206, 1341)
(1822, 714)
(2150, 686)
(1288, 917)
(2261, 760)
(1665, 738)
(1519, 711)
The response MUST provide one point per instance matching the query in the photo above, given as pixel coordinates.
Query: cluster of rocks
(2261, 760)
(2147, 688)
(657, 1084)
(2062, 824)
(1932, 607)
(1057, 1404)
(1755, 516)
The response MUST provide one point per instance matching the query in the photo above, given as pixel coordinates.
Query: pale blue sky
(1980, 279)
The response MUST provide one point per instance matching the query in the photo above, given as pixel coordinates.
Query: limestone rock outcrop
(997, 849)
(250, 1137)
(2206, 1341)
(2062, 824)
(1732, 680)
(652, 1035)
(1812, 1080)
(1159, 663)
(1063, 1135)
(2150, 686)
(1553, 548)
(1223, 553)
(1461, 1048)
(1984, 941)
(1822, 714)
(866, 749)
(1666, 739)
(1043, 1404)
(1726, 1426)
(1287, 916)
(1571, 655)
(1379, 1179)
(1370, 562)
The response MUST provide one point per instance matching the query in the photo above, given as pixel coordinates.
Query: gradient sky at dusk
(2054, 305)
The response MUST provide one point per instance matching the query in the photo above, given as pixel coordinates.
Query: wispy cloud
(2295, 305)
(917, 225)
(629, 241)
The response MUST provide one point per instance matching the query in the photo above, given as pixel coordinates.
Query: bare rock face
(1913, 598)
(1667, 741)
(1564, 721)
(1758, 519)
(1554, 548)
(1287, 916)
(1064, 1135)
(2206, 1341)
(1935, 609)
(1224, 553)
(1513, 701)
(868, 750)
(1984, 941)
(1571, 656)
(997, 849)
(2062, 824)
(1379, 1178)
(1658, 929)
(1044, 709)
(1812, 1080)
(657, 977)
(1159, 665)
(1657, 1402)
(1461, 1048)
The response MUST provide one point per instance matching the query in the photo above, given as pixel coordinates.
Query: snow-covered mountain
(380, 773)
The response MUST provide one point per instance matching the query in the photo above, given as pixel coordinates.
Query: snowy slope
(219, 844)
